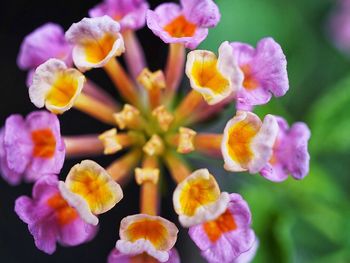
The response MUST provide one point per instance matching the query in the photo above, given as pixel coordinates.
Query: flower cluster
(152, 127)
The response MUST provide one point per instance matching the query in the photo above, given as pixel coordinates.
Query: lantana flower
(150, 129)
(290, 152)
(241, 73)
(143, 233)
(59, 88)
(31, 147)
(219, 222)
(55, 86)
(91, 190)
(34, 49)
(131, 14)
(247, 143)
(215, 78)
(198, 198)
(95, 41)
(228, 236)
(264, 71)
(186, 23)
(50, 219)
(34, 52)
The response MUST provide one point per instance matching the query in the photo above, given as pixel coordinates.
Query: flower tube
(121, 169)
(83, 145)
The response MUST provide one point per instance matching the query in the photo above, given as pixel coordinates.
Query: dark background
(296, 221)
(19, 18)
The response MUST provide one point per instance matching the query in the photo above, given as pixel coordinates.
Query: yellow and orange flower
(143, 233)
(55, 86)
(96, 41)
(91, 190)
(198, 199)
(215, 78)
(248, 142)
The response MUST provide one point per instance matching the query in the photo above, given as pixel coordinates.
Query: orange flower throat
(44, 143)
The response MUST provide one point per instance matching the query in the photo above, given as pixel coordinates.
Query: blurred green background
(296, 221)
(299, 221)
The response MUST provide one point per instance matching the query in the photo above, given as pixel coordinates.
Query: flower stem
(122, 81)
(121, 168)
(83, 145)
(149, 190)
(95, 108)
(125, 139)
(206, 111)
(174, 69)
(95, 91)
(187, 107)
(178, 169)
(154, 98)
(208, 144)
(134, 55)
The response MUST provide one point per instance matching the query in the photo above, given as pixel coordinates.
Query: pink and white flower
(131, 14)
(45, 42)
(31, 147)
(50, 219)
(290, 152)
(186, 23)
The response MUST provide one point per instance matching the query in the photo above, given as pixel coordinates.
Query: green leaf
(330, 120)
(291, 218)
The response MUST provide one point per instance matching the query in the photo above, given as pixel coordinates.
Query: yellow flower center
(197, 193)
(240, 138)
(63, 90)
(93, 188)
(206, 74)
(151, 230)
(97, 50)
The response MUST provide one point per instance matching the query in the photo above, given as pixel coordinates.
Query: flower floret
(91, 190)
